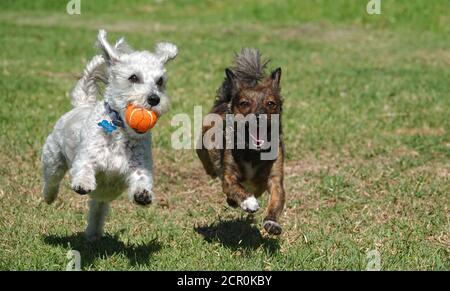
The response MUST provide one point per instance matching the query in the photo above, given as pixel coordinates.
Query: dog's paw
(250, 205)
(49, 199)
(232, 202)
(143, 197)
(83, 187)
(272, 227)
(93, 237)
(81, 190)
(48, 196)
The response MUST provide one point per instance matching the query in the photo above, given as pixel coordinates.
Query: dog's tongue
(255, 138)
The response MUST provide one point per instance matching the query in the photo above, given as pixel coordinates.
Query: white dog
(103, 154)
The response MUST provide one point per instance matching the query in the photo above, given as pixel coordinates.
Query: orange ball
(140, 119)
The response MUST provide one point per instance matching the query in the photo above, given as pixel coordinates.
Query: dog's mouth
(131, 115)
(255, 140)
(254, 137)
(139, 132)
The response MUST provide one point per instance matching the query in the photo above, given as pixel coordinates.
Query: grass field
(366, 125)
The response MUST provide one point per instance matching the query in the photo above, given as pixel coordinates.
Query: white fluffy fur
(106, 165)
(250, 204)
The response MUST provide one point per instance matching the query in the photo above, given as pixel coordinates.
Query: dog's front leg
(83, 175)
(140, 179)
(277, 197)
(140, 186)
(236, 193)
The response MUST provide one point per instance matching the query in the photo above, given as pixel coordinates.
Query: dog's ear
(166, 51)
(122, 47)
(230, 75)
(231, 86)
(109, 53)
(233, 81)
(275, 77)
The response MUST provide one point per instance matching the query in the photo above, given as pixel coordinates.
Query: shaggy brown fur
(247, 90)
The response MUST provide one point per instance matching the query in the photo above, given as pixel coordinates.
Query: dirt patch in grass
(318, 32)
(85, 22)
(60, 75)
(423, 131)
(442, 238)
(435, 58)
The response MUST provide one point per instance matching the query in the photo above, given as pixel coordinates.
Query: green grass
(366, 126)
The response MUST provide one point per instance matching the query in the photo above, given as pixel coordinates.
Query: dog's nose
(153, 100)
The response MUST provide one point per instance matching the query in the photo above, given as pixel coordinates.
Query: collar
(114, 115)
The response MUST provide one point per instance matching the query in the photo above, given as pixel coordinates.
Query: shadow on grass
(237, 234)
(107, 246)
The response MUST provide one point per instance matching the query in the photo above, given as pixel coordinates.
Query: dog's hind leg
(54, 168)
(97, 215)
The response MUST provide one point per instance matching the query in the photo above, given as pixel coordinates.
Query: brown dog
(247, 91)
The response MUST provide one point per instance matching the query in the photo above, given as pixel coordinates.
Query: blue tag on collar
(107, 126)
(114, 115)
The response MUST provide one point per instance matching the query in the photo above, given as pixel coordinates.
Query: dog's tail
(249, 67)
(86, 90)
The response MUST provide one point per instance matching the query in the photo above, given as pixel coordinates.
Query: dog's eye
(133, 78)
(272, 104)
(160, 82)
(244, 103)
